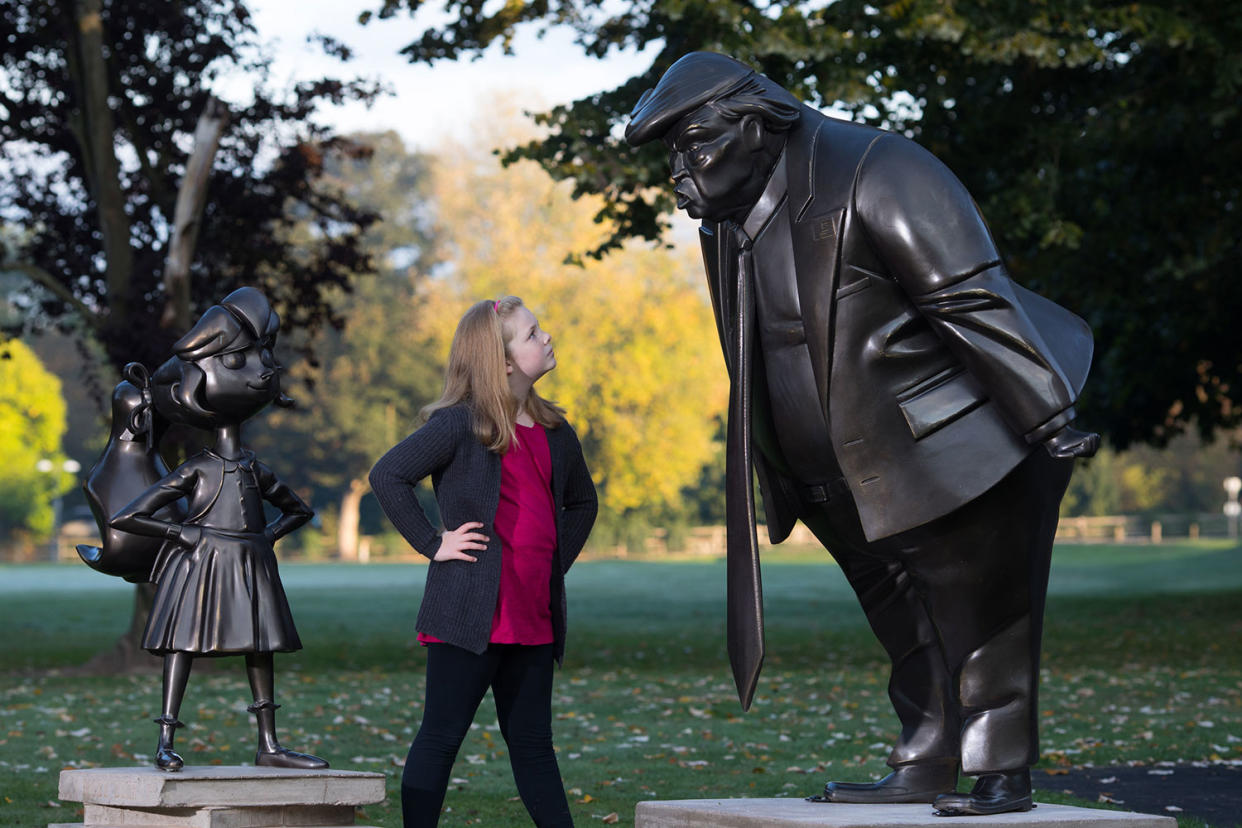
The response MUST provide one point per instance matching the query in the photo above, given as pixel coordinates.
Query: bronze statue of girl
(218, 591)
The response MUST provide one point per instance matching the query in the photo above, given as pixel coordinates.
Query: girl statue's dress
(223, 594)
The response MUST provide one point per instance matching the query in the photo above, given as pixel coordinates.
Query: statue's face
(241, 383)
(718, 163)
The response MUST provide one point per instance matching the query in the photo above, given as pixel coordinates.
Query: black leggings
(521, 681)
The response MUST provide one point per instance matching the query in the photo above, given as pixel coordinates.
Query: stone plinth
(779, 813)
(218, 797)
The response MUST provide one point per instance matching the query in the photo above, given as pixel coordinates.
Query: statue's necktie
(744, 623)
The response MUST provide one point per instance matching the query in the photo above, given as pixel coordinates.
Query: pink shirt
(526, 525)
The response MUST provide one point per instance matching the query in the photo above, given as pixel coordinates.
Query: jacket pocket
(939, 400)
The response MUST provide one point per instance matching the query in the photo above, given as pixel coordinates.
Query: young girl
(218, 591)
(510, 480)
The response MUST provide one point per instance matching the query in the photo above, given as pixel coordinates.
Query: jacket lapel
(719, 271)
(816, 224)
(823, 167)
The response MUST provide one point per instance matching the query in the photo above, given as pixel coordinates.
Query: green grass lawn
(1142, 663)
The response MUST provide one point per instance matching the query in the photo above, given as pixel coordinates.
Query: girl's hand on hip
(453, 544)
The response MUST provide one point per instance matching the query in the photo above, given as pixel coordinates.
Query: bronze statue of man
(896, 391)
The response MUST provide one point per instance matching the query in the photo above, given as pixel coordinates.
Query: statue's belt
(824, 492)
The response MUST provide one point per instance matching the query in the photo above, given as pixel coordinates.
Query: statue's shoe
(285, 758)
(921, 782)
(167, 760)
(994, 793)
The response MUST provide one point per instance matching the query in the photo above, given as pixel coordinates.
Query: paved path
(1213, 793)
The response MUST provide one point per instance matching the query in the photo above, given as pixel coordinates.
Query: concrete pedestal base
(778, 813)
(218, 797)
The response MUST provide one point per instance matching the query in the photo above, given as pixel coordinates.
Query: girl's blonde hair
(476, 376)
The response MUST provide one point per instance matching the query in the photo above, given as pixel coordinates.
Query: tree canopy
(107, 107)
(1103, 141)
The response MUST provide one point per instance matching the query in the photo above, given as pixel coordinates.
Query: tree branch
(49, 282)
(142, 150)
(191, 198)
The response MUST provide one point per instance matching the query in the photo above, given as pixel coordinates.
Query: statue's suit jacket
(937, 373)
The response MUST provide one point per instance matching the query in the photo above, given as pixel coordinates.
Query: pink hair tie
(496, 306)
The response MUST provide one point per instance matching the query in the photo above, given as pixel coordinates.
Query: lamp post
(47, 467)
(1233, 485)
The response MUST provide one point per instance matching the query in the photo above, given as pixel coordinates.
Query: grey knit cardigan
(460, 596)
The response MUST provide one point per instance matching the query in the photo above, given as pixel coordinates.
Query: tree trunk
(191, 197)
(98, 136)
(127, 654)
(347, 531)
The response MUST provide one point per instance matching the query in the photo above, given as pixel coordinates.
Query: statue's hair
(763, 97)
(243, 318)
(476, 376)
(177, 387)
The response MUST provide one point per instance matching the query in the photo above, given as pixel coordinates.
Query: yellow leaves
(1144, 489)
(32, 421)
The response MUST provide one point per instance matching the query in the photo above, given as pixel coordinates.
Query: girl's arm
(579, 505)
(136, 518)
(393, 478)
(294, 511)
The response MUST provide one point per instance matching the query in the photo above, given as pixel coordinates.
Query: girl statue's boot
(176, 674)
(270, 753)
(165, 758)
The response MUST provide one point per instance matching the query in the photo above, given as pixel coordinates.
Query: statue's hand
(1069, 443)
(188, 535)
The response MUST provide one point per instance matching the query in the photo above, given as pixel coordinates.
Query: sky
(431, 105)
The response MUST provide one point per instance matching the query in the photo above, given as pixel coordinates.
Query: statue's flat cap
(695, 79)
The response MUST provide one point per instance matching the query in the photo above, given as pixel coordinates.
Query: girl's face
(530, 347)
(241, 383)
